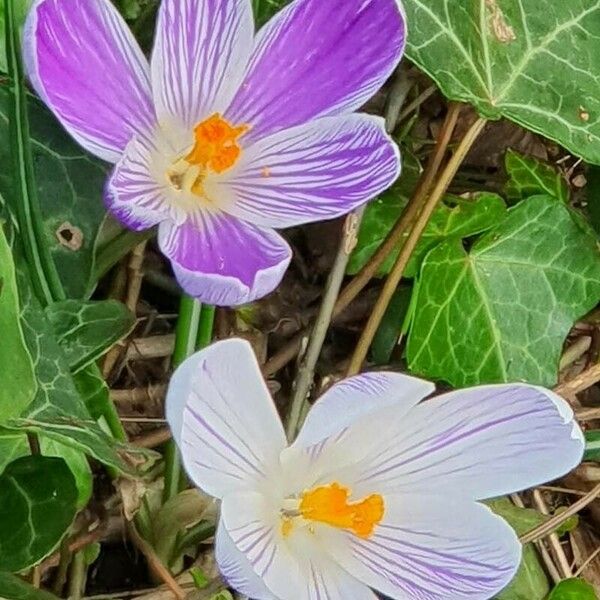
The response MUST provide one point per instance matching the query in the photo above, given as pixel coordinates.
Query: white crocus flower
(379, 490)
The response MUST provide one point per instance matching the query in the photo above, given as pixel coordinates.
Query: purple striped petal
(200, 55)
(431, 548)
(222, 260)
(86, 65)
(236, 568)
(133, 194)
(313, 172)
(296, 567)
(223, 419)
(480, 442)
(318, 58)
(352, 400)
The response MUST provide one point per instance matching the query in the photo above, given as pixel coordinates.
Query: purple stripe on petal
(133, 195)
(222, 260)
(313, 172)
(200, 56)
(480, 442)
(86, 65)
(318, 58)
(224, 420)
(418, 551)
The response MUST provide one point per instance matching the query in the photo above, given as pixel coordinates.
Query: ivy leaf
(454, 218)
(21, 8)
(31, 489)
(381, 215)
(70, 183)
(529, 176)
(18, 385)
(592, 445)
(509, 58)
(573, 589)
(86, 330)
(265, 9)
(14, 588)
(501, 312)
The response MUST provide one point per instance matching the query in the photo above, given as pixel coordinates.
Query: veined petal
(86, 65)
(318, 58)
(200, 55)
(351, 400)
(237, 570)
(431, 548)
(223, 419)
(479, 443)
(133, 194)
(222, 260)
(316, 171)
(292, 569)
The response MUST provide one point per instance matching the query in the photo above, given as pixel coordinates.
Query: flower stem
(421, 222)
(194, 331)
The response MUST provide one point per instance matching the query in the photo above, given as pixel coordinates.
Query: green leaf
(265, 9)
(456, 217)
(573, 589)
(592, 445)
(501, 312)
(388, 332)
(93, 390)
(538, 66)
(18, 385)
(58, 411)
(12, 447)
(530, 581)
(592, 196)
(381, 215)
(77, 463)
(529, 176)
(14, 588)
(37, 505)
(86, 330)
(21, 7)
(70, 183)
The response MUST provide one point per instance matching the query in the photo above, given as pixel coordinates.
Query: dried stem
(420, 224)
(393, 239)
(557, 520)
(580, 383)
(306, 371)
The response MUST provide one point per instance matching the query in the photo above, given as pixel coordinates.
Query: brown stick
(580, 383)
(395, 275)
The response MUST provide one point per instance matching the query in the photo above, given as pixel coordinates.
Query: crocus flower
(224, 136)
(379, 490)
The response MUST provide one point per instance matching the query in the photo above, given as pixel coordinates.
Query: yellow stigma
(329, 504)
(216, 150)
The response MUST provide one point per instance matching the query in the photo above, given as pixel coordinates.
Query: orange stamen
(329, 504)
(216, 146)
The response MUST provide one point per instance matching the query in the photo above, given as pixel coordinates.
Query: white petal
(480, 442)
(236, 568)
(432, 548)
(223, 419)
(292, 568)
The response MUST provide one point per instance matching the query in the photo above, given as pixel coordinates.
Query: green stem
(185, 344)
(25, 203)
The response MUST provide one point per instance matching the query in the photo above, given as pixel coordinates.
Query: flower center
(329, 504)
(215, 150)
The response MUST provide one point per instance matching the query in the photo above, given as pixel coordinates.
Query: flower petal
(318, 58)
(236, 568)
(200, 55)
(222, 260)
(223, 418)
(86, 65)
(480, 442)
(294, 568)
(133, 194)
(316, 171)
(431, 548)
(354, 399)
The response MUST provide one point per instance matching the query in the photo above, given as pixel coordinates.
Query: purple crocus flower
(379, 490)
(225, 135)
